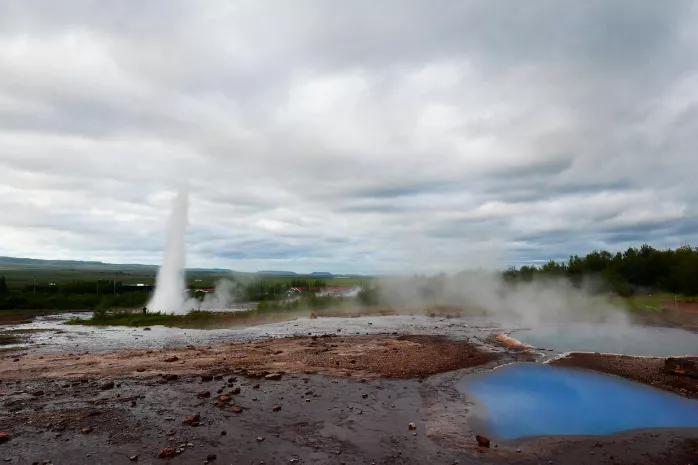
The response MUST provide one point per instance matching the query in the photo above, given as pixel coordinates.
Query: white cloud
(364, 137)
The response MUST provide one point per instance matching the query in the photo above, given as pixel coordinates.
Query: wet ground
(348, 397)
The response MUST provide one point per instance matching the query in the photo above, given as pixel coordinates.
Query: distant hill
(277, 273)
(15, 263)
(324, 274)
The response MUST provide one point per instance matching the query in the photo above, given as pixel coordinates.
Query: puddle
(616, 339)
(523, 400)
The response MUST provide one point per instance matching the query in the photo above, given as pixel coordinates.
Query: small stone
(133, 458)
(364, 396)
(204, 394)
(211, 457)
(237, 409)
(193, 420)
(223, 398)
(276, 408)
(223, 433)
(38, 393)
(206, 378)
(482, 441)
(518, 451)
(87, 430)
(273, 377)
(256, 386)
(412, 427)
(146, 329)
(260, 439)
(4, 437)
(174, 358)
(235, 391)
(166, 452)
(171, 377)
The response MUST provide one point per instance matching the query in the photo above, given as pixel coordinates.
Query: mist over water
(170, 290)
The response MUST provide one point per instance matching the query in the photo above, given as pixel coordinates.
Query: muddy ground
(341, 399)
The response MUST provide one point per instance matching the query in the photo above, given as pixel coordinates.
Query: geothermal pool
(526, 399)
(617, 339)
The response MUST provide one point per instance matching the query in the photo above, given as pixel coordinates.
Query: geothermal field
(479, 372)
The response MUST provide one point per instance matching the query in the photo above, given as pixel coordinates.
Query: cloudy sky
(362, 136)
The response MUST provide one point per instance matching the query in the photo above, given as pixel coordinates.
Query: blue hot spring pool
(617, 339)
(527, 399)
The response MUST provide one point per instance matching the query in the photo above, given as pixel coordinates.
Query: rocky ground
(383, 399)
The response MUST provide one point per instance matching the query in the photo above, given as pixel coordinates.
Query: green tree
(3, 285)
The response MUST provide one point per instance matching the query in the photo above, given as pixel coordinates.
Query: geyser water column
(170, 286)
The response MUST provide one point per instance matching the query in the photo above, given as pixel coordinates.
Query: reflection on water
(617, 339)
(525, 399)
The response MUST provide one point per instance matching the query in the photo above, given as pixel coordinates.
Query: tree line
(636, 270)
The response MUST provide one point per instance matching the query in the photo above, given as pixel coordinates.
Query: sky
(365, 136)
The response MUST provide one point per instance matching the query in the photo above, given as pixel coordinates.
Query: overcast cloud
(362, 136)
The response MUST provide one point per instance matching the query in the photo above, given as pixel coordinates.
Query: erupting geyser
(170, 291)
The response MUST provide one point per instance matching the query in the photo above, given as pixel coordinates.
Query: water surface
(617, 339)
(527, 399)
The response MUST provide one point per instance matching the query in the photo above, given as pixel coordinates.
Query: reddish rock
(166, 452)
(4, 437)
(224, 398)
(174, 358)
(204, 394)
(686, 366)
(482, 441)
(87, 430)
(193, 420)
(276, 408)
(237, 409)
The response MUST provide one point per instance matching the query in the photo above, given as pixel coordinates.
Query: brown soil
(648, 370)
(360, 356)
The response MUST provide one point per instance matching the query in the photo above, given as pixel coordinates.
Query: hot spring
(526, 399)
(616, 339)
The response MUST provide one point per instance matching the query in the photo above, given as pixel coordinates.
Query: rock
(482, 441)
(211, 457)
(276, 408)
(232, 379)
(235, 391)
(87, 430)
(171, 432)
(204, 394)
(412, 427)
(166, 452)
(223, 433)
(256, 386)
(174, 358)
(4, 437)
(106, 386)
(218, 377)
(237, 409)
(171, 377)
(133, 458)
(260, 439)
(273, 377)
(364, 396)
(686, 366)
(140, 370)
(206, 378)
(193, 420)
(38, 393)
(224, 398)
(146, 329)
